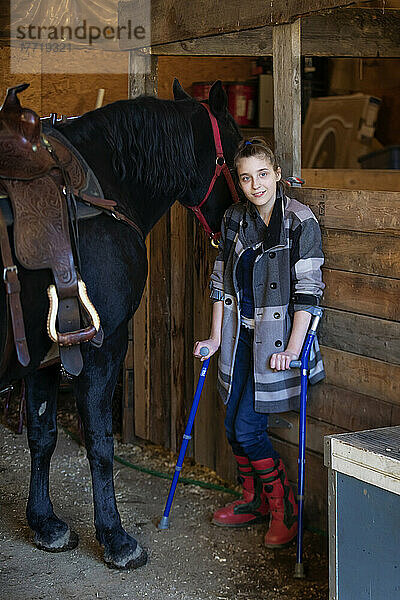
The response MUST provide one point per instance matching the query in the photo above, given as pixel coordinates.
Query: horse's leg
(51, 533)
(94, 389)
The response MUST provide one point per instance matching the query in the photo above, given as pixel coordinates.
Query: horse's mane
(150, 142)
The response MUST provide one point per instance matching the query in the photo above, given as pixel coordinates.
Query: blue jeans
(245, 428)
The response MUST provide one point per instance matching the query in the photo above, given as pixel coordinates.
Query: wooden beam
(350, 32)
(287, 97)
(143, 75)
(177, 20)
(353, 33)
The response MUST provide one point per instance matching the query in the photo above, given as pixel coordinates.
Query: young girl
(265, 277)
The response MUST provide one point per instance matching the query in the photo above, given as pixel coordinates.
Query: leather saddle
(40, 175)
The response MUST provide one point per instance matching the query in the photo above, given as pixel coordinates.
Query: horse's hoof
(134, 560)
(68, 541)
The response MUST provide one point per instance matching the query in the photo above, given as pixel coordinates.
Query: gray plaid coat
(286, 278)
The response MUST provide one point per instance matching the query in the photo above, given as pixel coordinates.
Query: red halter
(220, 167)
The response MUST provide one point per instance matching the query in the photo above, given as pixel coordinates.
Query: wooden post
(287, 97)
(136, 377)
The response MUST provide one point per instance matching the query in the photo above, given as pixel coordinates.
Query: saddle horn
(12, 101)
(21, 121)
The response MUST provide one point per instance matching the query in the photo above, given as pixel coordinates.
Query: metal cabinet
(364, 514)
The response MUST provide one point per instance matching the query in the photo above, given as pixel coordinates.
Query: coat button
(273, 285)
(272, 254)
(228, 301)
(277, 315)
(278, 343)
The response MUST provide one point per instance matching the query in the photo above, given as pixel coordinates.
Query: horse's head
(210, 119)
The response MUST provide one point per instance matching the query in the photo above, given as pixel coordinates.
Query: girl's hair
(255, 146)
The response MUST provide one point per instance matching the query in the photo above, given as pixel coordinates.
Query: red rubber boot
(252, 508)
(282, 504)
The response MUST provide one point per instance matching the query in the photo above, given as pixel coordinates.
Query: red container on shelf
(242, 102)
(200, 89)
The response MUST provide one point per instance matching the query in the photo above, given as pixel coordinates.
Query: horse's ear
(218, 99)
(179, 92)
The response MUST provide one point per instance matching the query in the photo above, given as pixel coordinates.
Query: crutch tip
(164, 523)
(299, 571)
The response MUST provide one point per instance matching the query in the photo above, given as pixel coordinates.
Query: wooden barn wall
(360, 329)
(66, 94)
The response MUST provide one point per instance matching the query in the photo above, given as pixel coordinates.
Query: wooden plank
(178, 20)
(128, 413)
(351, 32)
(206, 431)
(367, 294)
(361, 374)
(141, 357)
(368, 253)
(347, 408)
(128, 416)
(181, 322)
(376, 338)
(316, 430)
(354, 210)
(352, 179)
(287, 97)
(160, 333)
(140, 84)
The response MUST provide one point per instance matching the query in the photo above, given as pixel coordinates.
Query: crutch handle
(295, 364)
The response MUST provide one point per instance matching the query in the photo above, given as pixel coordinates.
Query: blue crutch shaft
(316, 311)
(164, 523)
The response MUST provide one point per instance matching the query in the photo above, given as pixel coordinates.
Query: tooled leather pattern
(19, 161)
(41, 232)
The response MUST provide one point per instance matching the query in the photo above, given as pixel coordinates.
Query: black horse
(146, 153)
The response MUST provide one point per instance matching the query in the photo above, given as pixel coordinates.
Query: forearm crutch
(164, 522)
(302, 364)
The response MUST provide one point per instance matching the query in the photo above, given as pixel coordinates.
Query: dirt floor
(192, 560)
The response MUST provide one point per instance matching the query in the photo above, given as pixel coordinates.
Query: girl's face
(258, 179)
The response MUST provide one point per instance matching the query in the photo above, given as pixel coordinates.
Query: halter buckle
(220, 161)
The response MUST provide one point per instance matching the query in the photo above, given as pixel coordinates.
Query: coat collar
(253, 229)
